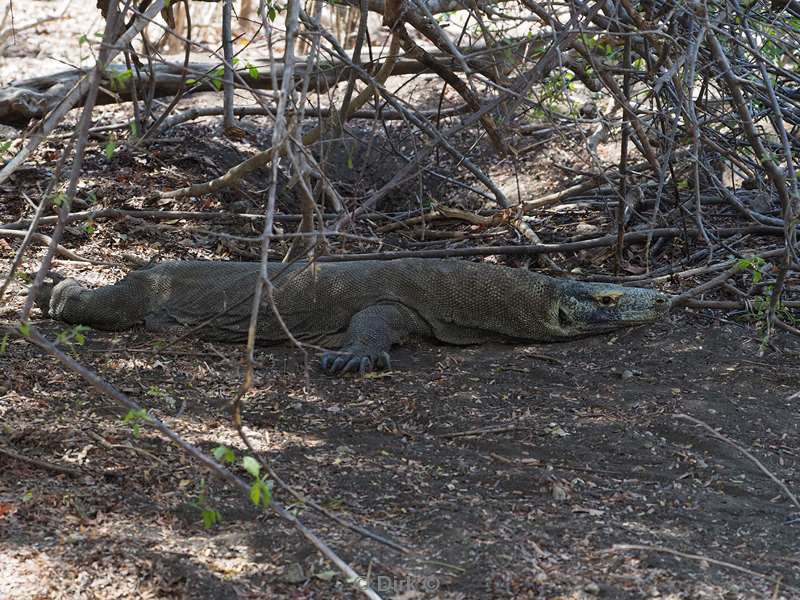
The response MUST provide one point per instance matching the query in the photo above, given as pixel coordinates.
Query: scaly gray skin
(361, 308)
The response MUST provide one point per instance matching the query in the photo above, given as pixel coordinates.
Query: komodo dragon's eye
(608, 299)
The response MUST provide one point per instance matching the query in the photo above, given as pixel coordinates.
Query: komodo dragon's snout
(360, 309)
(592, 308)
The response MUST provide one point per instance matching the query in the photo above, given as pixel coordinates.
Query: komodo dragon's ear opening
(564, 319)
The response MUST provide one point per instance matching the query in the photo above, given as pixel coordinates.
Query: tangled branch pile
(684, 116)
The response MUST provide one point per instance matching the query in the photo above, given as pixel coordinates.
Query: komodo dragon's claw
(338, 363)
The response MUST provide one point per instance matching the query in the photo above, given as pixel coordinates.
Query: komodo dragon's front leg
(370, 336)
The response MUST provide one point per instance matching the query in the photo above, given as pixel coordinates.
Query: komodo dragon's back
(363, 308)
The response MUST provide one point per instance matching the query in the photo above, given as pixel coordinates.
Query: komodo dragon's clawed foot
(350, 360)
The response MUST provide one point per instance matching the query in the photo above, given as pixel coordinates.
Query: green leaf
(272, 14)
(25, 329)
(124, 76)
(155, 392)
(224, 454)
(251, 465)
(6, 144)
(251, 69)
(135, 415)
(260, 493)
(134, 129)
(266, 494)
(110, 148)
(217, 83)
(83, 40)
(4, 344)
(58, 199)
(191, 82)
(210, 518)
(255, 493)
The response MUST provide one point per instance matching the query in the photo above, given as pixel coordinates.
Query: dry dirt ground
(506, 471)
(575, 456)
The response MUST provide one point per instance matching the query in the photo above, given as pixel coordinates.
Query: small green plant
(210, 516)
(25, 330)
(162, 395)
(216, 77)
(72, 336)
(135, 418)
(89, 227)
(756, 266)
(224, 454)
(4, 345)
(154, 392)
(58, 199)
(111, 147)
(119, 81)
(261, 487)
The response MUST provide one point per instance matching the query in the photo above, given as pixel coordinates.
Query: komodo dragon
(361, 308)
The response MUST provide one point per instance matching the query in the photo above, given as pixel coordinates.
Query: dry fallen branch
(42, 464)
(701, 558)
(61, 250)
(787, 492)
(34, 98)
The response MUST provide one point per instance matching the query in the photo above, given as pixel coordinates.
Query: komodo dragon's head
(590, 308)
